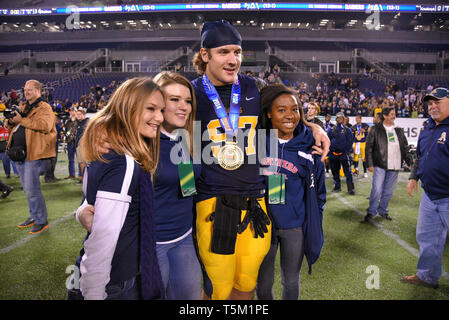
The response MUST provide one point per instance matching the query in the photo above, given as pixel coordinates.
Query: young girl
(180, 268)
(110, 259)
(297, 223)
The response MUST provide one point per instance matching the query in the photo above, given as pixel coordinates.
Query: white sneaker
(327, 174)
(365, 175)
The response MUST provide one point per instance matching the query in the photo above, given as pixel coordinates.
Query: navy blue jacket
(305, 190)
(341, 140)
(433, 157)
(173, 212)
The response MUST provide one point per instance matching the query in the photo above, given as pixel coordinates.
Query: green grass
(36, 269)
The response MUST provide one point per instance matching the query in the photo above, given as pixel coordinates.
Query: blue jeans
(29, 177)
(291, 242)
(431, 232)
(71, 157)
(180, 269)
(7, 164)
(384, 182)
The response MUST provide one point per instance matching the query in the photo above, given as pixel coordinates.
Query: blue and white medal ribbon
(230, 156)
(229, 123)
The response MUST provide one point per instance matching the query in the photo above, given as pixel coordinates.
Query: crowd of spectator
(332, 94)
(335, 94)
(343, 95)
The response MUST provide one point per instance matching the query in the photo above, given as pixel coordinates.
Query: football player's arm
(322, 142)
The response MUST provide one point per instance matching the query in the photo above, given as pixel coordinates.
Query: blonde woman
(114, 184)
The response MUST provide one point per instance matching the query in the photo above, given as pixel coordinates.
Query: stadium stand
(310, 51)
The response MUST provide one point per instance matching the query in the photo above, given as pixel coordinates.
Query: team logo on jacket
(442, 138)
(312, 181)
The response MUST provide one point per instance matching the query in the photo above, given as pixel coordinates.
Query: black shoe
(38, 228)
(386, 216)
(368, 218)
(6, 192)
(336, 189)
(28, 223)
(351, 192)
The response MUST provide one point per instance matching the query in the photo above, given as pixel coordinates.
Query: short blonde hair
(36, 84)
(316, 105)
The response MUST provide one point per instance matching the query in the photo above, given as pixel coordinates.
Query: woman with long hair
(118, 186)
(173, 204)
(180, 268)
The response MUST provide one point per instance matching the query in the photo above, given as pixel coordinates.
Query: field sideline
(359, 261)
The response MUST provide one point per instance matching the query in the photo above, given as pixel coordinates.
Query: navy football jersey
(214, 180)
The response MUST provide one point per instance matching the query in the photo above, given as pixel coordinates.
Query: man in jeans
(33, 137)
(386, 149)
(433, 170)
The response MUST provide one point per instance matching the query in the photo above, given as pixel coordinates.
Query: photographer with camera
(33, 137)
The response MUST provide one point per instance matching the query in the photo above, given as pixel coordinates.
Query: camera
(11, 112)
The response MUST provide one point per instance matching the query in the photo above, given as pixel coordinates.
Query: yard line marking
(28, 238)
(387, 232)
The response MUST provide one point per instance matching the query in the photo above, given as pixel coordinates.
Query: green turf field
(34, 267)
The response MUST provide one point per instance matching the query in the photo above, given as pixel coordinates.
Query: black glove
(257, 217)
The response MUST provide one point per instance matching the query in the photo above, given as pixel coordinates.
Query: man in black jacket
(386, 149)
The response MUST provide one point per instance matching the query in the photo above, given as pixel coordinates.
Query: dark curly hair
(267, 96)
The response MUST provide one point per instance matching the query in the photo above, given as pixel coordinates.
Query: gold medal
(230, 156)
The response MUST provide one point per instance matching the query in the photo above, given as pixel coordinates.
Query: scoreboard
(238, 6)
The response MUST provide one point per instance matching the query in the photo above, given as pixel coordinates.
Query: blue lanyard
(229, 123)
